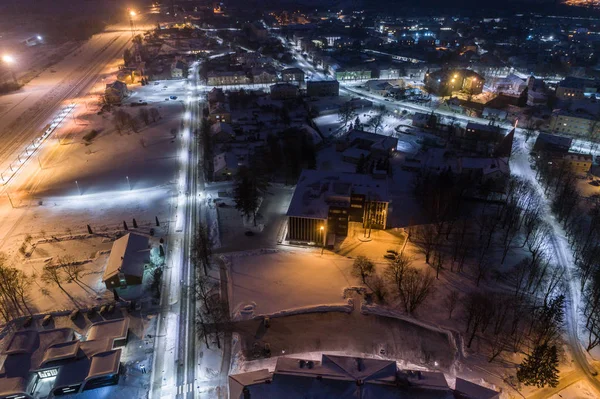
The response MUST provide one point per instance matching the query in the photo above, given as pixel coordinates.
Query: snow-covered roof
(377, 142)
(30, 351)
(317, 190)
(345, 377)
(221, 127)
(128, 256)
(471, 390)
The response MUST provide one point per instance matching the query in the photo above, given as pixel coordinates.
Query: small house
(128, 258)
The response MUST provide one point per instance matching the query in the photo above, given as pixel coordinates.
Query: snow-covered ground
(267, 283)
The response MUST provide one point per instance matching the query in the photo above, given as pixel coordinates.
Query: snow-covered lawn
(267, 283)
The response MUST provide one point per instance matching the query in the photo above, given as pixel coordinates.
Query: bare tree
(417, 286)
(144, 115)
(425, 238)
(363, 267)
(451, 301)
(201, 248)
(346, 113)
(154, 114)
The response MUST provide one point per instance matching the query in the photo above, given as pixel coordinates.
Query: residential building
(444, 82)
(494, 114)
(178, 70)
(380, 87)
(225, 166)
(219, 112)
(54, 362)
(221, 132)
(263, 76)
(325, 202)
(536, 92)
(579, 163)
(379, 145)
(216, 96)
(549, 143)
(353, 73)
(126, 263)
(322, 88)
(223, 78)
(284, 91)
(579, 123)
(115, 92)
(572, 88)
(349, 377)
(427, 121)
(511, 84)
(292, 75)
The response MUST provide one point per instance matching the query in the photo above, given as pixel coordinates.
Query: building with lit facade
(325, 202)
(444, 82)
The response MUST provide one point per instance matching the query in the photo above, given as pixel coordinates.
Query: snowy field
(283, 280)
(73, 181)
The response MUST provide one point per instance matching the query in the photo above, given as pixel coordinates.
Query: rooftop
(317, 190)
(128, 255)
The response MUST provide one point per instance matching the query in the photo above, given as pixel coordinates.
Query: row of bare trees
(481, 238)
(213, 321)
(124, 121)
(581, 220)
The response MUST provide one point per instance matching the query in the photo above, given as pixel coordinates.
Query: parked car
(173, 97)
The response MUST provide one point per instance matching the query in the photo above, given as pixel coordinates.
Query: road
(24, 114)
(174, 370)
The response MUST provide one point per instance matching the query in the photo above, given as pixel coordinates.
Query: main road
(174, 369)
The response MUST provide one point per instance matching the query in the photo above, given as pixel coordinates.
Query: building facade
(444, 82)
(322, 88)
(324, 203)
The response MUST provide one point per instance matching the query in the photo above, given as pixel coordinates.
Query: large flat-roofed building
(40, 363)
(325, 202)
(345, 377)
(322, 88)
(576, 123)
(572, 88)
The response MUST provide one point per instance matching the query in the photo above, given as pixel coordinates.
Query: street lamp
(322, 229)
(9, 60)
(132, 14)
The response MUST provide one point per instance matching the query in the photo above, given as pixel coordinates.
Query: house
(284, 91)
(427, 121)
(349, 377)
(56, 362)
(379, 145)
(550, 143)
(579, 163)
(178, 69)
(444, 82)
(572, 88)
(115, 92)
(484, 132)
(216, 95)
(292, 75)
(353, 73)
(225, 166)
(263, 76)
(324, 203)
(379, 87)
(128, 258)
(578, 123)
(494, 114)
(222, 132)
(536, 92)
(322, 88)
(219, 112)
(511, 84)
(223, 78)
(494, 170)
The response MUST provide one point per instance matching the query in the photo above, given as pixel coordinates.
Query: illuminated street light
(10, 60)
(132, 13)
(39, 37)
(322, 229)
(128, 182)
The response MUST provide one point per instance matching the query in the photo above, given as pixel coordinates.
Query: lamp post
(322, 229)
(132, 14)
(9, 60)
(128, 182)
(78, 189)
